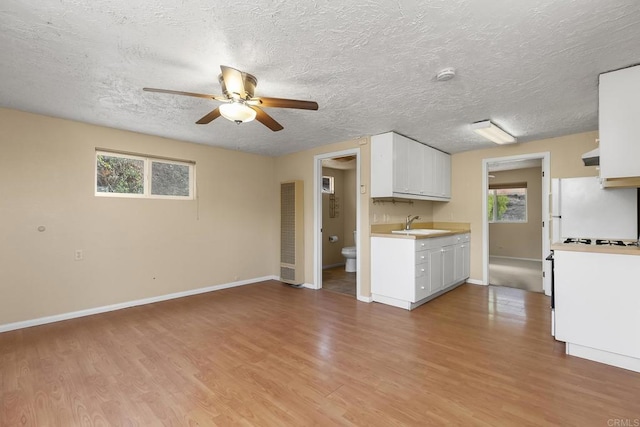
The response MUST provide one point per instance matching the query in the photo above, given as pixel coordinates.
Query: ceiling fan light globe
(237, 112)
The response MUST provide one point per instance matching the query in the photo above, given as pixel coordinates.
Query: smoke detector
(446, 74)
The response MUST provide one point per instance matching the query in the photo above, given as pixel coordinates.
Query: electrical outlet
(78, 255)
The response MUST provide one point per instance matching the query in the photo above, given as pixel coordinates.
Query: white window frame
(330, 189)
(491, 193)
(148, 161)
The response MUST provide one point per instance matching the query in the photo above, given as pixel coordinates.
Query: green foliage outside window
(507, 205)
(502, 206)
(120, 175)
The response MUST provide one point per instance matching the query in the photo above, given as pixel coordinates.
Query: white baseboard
(310, 286)
(392, 301)
(516, 258)
(619, 360)
(476, 282)
(113, 307)
(365, 299)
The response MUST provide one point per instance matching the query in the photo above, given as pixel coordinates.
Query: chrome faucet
(409, 221)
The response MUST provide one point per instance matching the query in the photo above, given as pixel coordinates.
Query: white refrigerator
(580, 208)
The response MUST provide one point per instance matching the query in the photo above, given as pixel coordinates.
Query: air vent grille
(291, 233)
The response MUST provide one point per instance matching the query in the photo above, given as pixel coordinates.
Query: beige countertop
(384, 230)
(604, 249)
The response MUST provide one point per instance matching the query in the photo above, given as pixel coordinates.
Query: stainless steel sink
(420, 232)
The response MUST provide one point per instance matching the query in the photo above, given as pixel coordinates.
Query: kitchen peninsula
(411, 267)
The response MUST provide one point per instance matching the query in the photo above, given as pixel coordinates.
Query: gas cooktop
(599, 242)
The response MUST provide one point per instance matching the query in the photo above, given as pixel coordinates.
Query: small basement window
(126, 175)
(507, 203)
(328, 184)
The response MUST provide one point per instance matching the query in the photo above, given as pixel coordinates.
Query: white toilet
(349, 252)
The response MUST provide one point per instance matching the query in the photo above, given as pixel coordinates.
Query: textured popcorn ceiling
(531, 67)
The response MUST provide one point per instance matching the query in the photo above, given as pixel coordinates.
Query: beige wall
(384, 211)
(133, 248)
(348, 206)
(300, 166)
(519, 240)
(344, 222)
(466, 186)
(137, 248)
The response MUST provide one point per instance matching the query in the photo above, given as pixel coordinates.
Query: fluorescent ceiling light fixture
(492, 132)
(237, 112)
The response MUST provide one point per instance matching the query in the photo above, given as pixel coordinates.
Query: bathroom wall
(333, 225)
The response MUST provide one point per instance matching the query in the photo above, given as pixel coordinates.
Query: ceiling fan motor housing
(250, 82)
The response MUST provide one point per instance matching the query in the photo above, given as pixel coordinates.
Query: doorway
(336, 219)
(515, 228)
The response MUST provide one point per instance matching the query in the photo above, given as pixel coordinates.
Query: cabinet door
(619, 109)
(448, 266)
(400, 164)
(415, 168)
(442, 175)
(435, 270)
(461, 261)
(428, 171)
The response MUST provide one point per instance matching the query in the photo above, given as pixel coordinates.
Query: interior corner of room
(406, 208)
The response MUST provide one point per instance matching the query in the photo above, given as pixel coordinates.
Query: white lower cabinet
(596, 306)
(406, 272)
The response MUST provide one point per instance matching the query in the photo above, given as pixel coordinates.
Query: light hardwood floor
(268, 354)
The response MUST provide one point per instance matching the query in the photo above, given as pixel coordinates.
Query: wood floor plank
(268, 354)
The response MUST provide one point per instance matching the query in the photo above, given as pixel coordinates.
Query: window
(507, 203)
(124, 175)
(327, 184)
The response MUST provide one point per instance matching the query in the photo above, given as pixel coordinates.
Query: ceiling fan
(239, 104)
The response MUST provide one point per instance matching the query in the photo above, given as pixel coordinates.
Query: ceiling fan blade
(177, 92)
(233, 81)
(266, 119)
(209, 117)
(286, 103)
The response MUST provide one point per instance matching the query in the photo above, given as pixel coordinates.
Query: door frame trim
(317, 216)
(546, 235)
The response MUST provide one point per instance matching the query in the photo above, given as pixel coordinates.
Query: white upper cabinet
(402, 167)
(619, 105)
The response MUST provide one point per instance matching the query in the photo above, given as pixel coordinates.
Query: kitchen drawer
(422, 268)
(422, 256)
(461, 238)
(434, 242)
(422, 288)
